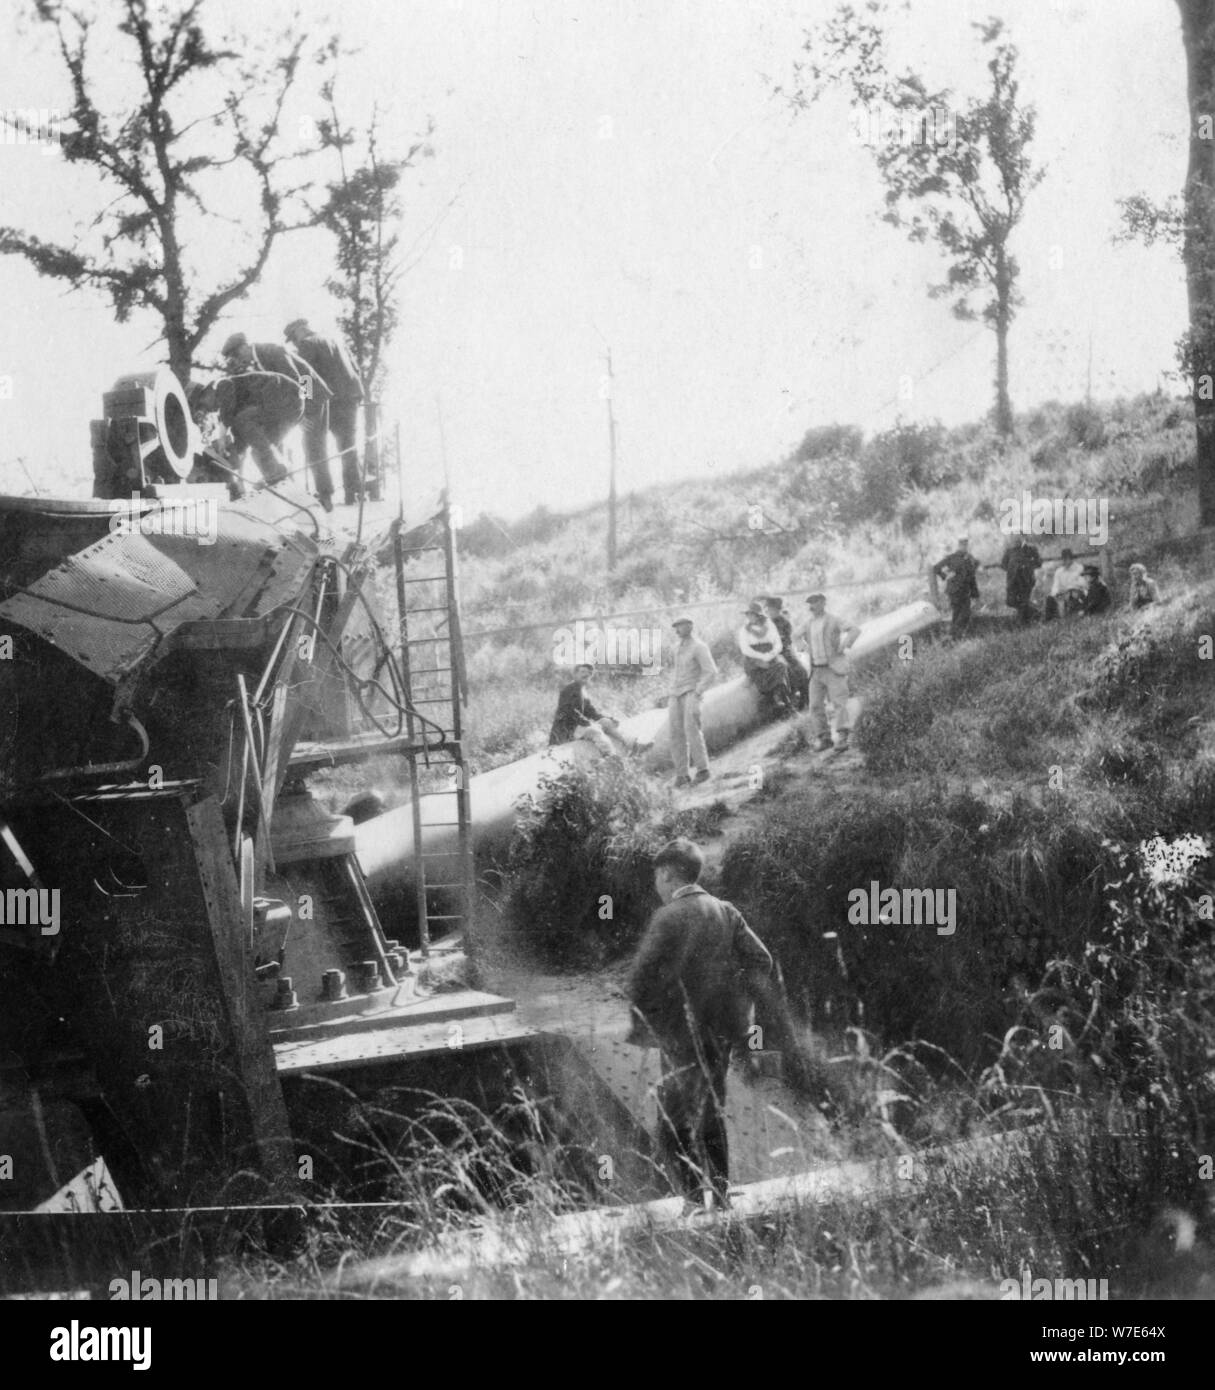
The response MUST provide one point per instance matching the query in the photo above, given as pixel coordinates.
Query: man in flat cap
(338, 414)
(698, 971)
(262, 398)
(958, 569)
(827, 639)
(695, 670)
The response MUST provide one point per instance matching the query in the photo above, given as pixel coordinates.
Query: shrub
(1125, 1023)
(915, 454)
(914, 515)
(824, 440)
(582, 849)
(1084, 427)
(1025, 890)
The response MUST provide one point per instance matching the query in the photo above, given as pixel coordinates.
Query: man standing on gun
(261, 398)
(695, 671)
(337, 414)
(827, 639)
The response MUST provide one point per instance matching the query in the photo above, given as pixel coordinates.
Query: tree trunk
(372, 453)
(1198, 34)
(1003, 412)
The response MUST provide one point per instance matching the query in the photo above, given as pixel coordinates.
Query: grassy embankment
(1023, 771)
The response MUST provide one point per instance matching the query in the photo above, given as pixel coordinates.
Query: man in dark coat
(958, 569)
(577, 718)
(262, 397)
(799, 677)
(1020, 563)
(698, 970)
(339, 415)
(1097, 597)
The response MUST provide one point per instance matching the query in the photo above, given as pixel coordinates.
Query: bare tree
(200, 134)
(955, 174)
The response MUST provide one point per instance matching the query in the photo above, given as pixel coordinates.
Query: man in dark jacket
(1020, 563)
(262, 398)
(698, 970)
(339, 414)
(1097, 597)
(577, 718)
(958, 569)
(799, 677)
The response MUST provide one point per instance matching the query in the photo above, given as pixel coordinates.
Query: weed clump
(578, 887)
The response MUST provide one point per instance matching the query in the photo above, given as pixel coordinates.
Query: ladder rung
(434, 823)
(455, 917)
(430, 885)
(439, 608)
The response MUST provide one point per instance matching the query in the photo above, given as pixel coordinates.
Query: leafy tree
(362, 208)
(1190, 227)
(196, 137)
(954, 174)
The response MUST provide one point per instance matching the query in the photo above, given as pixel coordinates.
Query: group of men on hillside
(269, 388)
(1074, 588)
(767, 642)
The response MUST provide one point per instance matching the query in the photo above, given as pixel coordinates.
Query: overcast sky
(623, 174)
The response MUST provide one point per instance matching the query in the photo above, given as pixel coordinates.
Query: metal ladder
(436, 687)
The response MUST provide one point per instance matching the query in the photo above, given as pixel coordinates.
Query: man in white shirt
(1068, 579)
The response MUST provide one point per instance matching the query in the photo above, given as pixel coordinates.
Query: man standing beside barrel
(827, 639)
(330, 360)
(695, 670)
(262, 398)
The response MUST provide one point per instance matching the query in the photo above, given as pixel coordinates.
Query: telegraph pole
(611, 538)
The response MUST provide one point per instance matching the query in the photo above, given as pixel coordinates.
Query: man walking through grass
(695, 670)
(698, 970)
